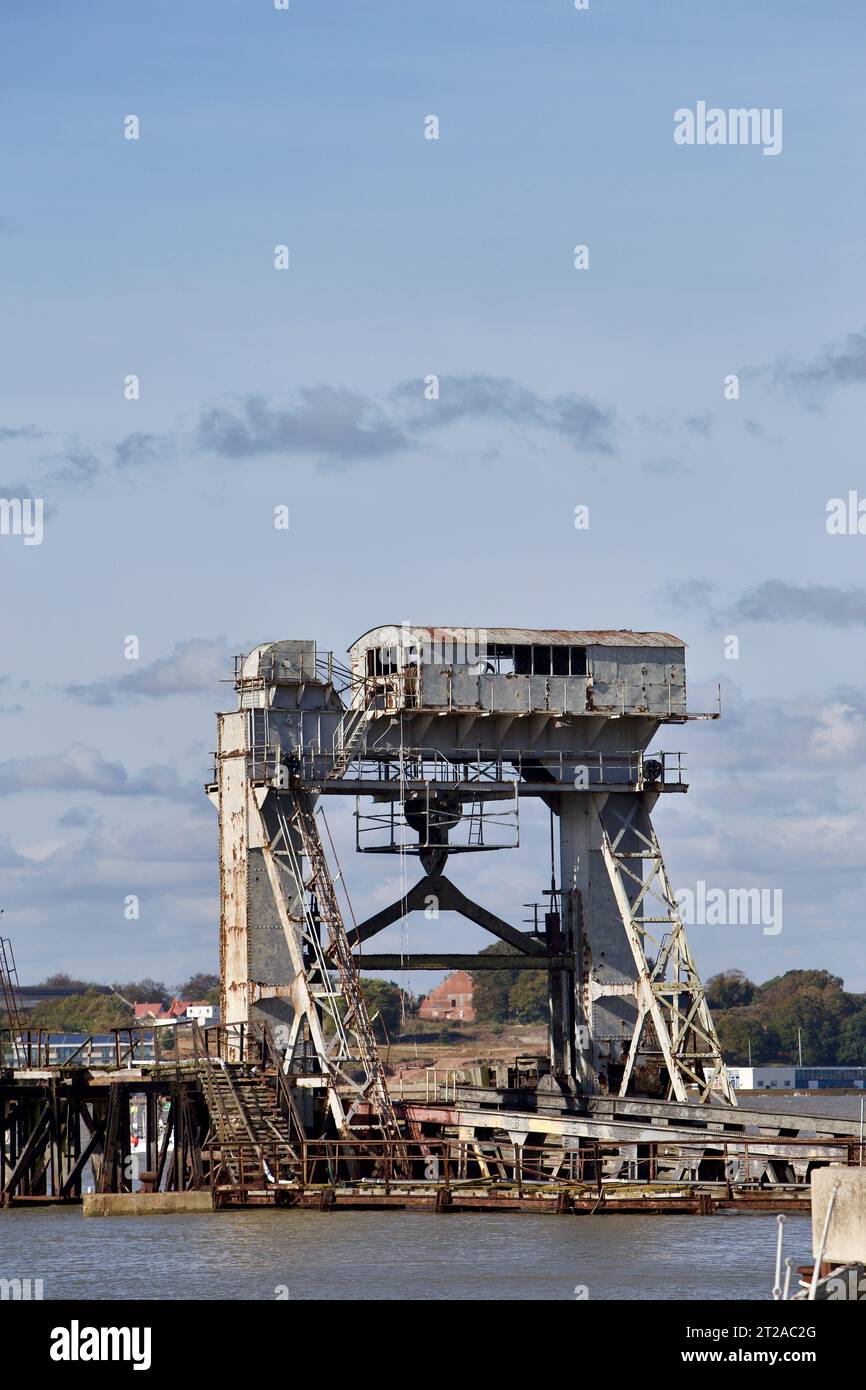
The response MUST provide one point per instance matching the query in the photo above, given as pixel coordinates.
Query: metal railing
(272, 764)
(43, 1048)
(739, 1164)
(324, 667)
(175, 1045)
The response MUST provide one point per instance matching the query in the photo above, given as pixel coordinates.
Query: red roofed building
(451, 1000)
(160, 1014)
(145, 1011)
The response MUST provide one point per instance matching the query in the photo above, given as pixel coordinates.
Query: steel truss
(668, 991)
(330, 1013)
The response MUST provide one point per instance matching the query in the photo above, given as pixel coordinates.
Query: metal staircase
(350, 731)
(245, 1110)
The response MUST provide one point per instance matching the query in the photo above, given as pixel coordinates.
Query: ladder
(10, 1000)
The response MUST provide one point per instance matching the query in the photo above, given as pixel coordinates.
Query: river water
(265, 1254)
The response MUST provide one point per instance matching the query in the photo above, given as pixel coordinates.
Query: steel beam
(435, 961)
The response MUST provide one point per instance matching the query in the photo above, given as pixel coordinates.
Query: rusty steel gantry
(440, 733)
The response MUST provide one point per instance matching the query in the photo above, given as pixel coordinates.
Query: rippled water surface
(414, 1255)
(393, 1255)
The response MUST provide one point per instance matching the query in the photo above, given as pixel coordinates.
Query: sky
(259, 387)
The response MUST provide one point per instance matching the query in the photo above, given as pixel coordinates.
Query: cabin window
(541, 661)
(382, 661)
(523, 661)
(537, 660)
(500, 655)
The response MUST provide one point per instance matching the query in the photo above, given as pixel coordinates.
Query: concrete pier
(145, 1203)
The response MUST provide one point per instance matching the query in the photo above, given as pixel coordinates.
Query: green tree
(811, 1006)
(509, 996)
(145, 992)
(730, 989)
(852, 1040)
(89, 1012)
(63, 981)
(742, 1032)
(384, 999)
(198, 986)
(808, 1017)
(492, 987)
(527, 997)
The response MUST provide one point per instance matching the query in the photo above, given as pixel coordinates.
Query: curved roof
(390, 634)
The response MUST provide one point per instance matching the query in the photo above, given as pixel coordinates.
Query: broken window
(500, 656)
(550, 661)
(382, 661)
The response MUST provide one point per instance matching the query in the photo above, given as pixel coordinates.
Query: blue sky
(409, 257)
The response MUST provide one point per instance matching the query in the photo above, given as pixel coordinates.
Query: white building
(763, 1078)
(777, 1078)
(203, 1013)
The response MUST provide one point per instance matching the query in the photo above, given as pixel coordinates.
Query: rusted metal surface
(58, 1134)
(568, 712)
(233, 860)
(237, 1128)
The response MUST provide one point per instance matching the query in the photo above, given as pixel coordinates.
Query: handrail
(455, 766)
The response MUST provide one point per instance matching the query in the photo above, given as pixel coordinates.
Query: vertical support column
(253, 951)
(593, 925)
(561, 1002)
(270, 960)
(234, 850)
(73, 1138)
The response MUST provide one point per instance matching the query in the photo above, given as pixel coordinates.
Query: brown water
(408, 1256)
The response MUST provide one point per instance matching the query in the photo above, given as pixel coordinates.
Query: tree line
(808, 1009)
(802, 1008)
(89, 1010)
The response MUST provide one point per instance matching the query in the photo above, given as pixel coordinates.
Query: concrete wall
(846, 1240)
(145, 1203)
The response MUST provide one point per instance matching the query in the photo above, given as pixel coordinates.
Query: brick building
(451, 1000)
